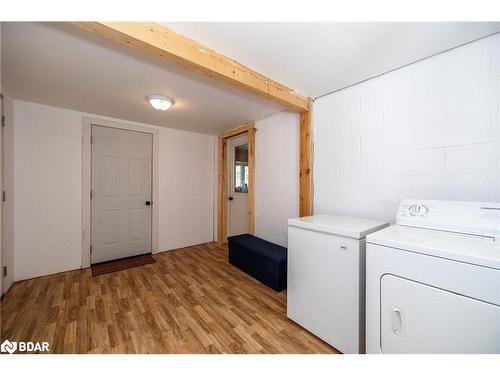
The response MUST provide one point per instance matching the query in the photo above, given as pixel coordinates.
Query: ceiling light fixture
(160, 102)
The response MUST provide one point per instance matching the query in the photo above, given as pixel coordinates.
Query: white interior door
(121, 193)
(237, 185)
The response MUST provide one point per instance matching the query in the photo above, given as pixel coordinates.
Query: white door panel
(237, 193)
(121, 186)
(417, 318)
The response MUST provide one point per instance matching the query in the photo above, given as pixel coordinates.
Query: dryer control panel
(420, 210)
(476, 218)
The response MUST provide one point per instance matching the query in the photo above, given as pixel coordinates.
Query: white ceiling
(317, 58)
(59, 65)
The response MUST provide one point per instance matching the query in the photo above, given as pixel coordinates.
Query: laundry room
(190, 186)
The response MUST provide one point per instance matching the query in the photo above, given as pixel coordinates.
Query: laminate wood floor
(190, 301)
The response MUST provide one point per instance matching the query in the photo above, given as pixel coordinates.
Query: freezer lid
(346, 226)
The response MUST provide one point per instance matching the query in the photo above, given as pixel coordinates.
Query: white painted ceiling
(62, 66)
(317, 58)
(59, 65)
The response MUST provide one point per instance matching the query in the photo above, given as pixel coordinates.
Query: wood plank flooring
(190, 301)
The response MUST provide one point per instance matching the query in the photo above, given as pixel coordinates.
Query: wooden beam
(161, 42)
(305, 202)
(251, 180)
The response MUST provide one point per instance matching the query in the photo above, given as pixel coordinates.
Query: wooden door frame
(248, 129)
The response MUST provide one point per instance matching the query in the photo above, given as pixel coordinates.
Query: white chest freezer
(325, 286)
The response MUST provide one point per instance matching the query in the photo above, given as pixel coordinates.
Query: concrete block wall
(276, 175)
(429, 130)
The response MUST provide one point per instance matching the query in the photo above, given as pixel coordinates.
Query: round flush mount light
(160, 102)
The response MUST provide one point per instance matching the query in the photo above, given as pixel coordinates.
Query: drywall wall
(48, 165)
(47, 177)
(276, 175)
(429, 130)
(185, 189)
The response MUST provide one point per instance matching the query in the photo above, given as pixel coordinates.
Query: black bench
(260, 259)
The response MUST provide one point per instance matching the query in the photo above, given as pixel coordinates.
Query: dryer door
(417, 318)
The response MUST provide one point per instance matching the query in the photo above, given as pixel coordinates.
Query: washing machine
(433, 280)
(326, 274)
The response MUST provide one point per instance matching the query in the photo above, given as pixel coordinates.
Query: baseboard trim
(7, 291)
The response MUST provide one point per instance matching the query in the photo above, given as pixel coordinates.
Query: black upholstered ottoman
(260, 259)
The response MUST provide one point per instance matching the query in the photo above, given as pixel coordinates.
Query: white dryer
(433, 280)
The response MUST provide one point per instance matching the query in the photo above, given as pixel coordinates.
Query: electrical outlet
(4, 271)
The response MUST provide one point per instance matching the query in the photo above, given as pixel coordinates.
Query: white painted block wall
(276, 176)
(429, 130)
(48, 187)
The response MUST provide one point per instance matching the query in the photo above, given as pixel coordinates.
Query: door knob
(230, 198)
(148, 203)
